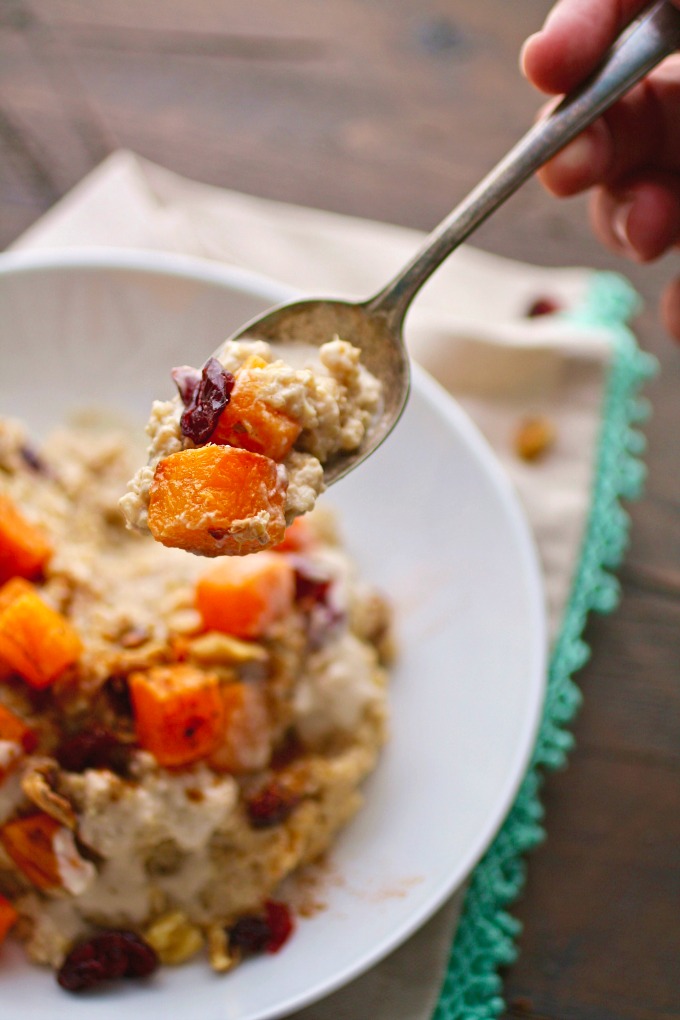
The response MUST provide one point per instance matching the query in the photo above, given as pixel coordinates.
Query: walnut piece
(534, 437)
(38, 784)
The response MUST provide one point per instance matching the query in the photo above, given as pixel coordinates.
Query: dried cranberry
(323, 623)
(208, 399)
(33, 460)
(118, 694)
(280, 921)
(107, 950)
(311, 584)
(141, 958)
(250, 933)
(29, 741)
(186, 379)
(287, 751)
(257, 933)
(80, 971)
(543, 306)
(314, 595)
(105, 957)
(311, 589)
(94, 748)
(271, 805)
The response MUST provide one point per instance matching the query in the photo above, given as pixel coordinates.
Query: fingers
(573, 40)
(585, 162)
(631, 156)
(638, 133)
(670, 308)
(640, 220)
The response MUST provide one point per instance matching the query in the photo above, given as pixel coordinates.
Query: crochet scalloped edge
(485, 939)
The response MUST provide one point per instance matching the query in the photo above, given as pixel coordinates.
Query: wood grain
(392, 109)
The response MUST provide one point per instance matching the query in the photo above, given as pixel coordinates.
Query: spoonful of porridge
(299, 397)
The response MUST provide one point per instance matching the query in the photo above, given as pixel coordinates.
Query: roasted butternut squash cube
(17, 739)
(11, 590)
(29, 841)
(299, 537)
(35, 640)
(179, 713)
(247, 738)
(217, 501)
(8, 917)
(8, 592)
(24, 549)
(244, 597)
(250, 423)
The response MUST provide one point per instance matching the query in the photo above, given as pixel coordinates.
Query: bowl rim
(146, 260)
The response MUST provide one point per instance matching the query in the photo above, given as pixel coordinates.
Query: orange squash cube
(252, 424)
(35, 641)
(217, 501)
(8, 917)
(29, 842)
(18, 739)
(179, 713)
(244, 597)
(8, 592)
(299, 537)
(24, 549)
(13, 589)
(246, 738)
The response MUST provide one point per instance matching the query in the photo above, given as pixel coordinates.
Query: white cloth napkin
(469, 328)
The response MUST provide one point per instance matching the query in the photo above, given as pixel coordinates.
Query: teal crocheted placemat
(486, 934)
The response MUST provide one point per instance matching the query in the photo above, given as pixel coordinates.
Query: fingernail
(522, 53)
(575, 157)
(620, 221)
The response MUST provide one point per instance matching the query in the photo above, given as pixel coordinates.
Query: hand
(630, 157)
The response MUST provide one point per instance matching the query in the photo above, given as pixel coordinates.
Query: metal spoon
(375, 325)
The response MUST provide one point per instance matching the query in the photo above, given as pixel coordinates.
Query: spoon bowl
(376, 325)
(308, 324)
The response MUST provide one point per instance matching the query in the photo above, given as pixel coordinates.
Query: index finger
(573, 41)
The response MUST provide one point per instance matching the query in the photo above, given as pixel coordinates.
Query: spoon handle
(646, 42)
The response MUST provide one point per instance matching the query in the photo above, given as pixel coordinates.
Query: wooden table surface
(392, 109)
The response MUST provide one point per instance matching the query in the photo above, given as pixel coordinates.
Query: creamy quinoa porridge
(239, 452)
(176, 736)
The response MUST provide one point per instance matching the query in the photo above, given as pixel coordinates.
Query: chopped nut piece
(120, 663)
(534, 437)
(214, 648)
(174, 938)
(371, 620)
(38, 785)
(185, 621)
(222, 958)
(134, 637)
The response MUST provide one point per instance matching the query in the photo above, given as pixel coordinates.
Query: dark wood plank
(601, 939)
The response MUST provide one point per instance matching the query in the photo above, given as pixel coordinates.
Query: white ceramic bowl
(430, 518)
